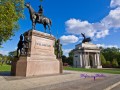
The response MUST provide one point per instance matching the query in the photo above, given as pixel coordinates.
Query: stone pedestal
(99, 66)
(40, 58)
(61, 65)
(87, 67)
(87, 55)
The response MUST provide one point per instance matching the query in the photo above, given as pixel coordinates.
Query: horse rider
(40, 12)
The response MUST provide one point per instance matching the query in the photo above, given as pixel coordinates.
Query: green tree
(103, 61)
(108, 64)
(70, 61)
(64, 59)
(10, 12)
(12, 53)
(114, 63)
(111, 53)
(70, 58)
(71, 54)
(1, 55)
(0, 60)
(5, 58)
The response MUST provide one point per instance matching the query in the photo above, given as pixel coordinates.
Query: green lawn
(5, 67)
(111, 71)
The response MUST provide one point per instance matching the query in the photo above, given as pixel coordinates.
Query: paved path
(116, 88)
(69, 80)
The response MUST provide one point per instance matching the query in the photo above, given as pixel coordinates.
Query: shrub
(65, 64)
(107, 65)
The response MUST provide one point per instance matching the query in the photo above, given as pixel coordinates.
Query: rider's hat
(40, 6)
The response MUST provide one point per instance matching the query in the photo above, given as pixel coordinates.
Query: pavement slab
(69, 80)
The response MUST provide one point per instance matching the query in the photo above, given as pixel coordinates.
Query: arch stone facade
(87, 55)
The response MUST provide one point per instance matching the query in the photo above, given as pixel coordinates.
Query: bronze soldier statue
(59, 54)
(59, 51)
(23, 46)
(20, 45)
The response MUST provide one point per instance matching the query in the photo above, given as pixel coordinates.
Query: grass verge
(103, 70)
(5, 67)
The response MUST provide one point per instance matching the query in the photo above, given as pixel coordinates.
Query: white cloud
(102, 33)
(101, 30)
(68, 39)
(4, 52)
(115, 3)
(76, 26)
(106, 46)
(66, 52)
(113, 19)
(97, 29)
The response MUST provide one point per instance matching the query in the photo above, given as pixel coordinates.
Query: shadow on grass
(5, 73)
(5, 70)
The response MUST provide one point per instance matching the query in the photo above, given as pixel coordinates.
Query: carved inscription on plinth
(44, 44)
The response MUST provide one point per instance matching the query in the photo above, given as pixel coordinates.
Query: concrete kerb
(112, 86)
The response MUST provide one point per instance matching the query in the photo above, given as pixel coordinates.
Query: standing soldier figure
(59, 54)
(20, 45)
(59, 51)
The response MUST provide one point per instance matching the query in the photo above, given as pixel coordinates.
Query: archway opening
(91, 61)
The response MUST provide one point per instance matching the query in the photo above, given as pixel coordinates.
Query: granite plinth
(41, 59)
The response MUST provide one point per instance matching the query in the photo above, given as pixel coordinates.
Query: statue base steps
(24, 67)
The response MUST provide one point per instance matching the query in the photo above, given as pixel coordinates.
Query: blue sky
(98, 19)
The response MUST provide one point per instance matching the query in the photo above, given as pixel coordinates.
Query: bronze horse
(42, 19)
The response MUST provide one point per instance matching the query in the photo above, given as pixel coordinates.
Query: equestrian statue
(38, 17)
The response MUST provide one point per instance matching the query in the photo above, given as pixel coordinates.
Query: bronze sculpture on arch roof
(85, 39)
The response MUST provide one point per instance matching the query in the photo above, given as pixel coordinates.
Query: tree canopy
(10, 12)
(103, 60)
(111, 55)
(69, 59)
